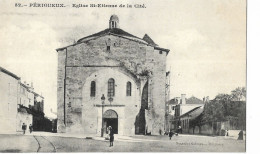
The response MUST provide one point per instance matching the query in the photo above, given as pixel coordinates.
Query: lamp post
(103, 101)
(110, 99)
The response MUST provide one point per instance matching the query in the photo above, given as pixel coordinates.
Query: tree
(238, 94)
(226, 107)
(222, 97)
(213, 111)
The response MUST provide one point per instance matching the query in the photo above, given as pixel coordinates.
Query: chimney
(203, 99)
(32, 84)
(178, 100)
(183, 98)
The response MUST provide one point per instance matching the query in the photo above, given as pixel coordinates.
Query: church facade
(112, 78)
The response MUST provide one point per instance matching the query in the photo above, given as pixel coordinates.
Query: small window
(93, 89)
(111, 88)
(160, 52)
(69, 105)
(128, 89)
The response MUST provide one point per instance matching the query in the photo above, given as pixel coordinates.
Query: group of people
(24, 127)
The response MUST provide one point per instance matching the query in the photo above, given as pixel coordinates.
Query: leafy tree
(213, 111)
(222, 97)
(238, 94)
(225, 106)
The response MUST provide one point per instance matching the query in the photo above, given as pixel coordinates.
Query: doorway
(110, 118)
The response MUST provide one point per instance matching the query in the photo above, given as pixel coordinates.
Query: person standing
(170, 135)
(24, 128)
(179, 130)
(241, 135)
(31, 128)
(111, 135)
(226, 132)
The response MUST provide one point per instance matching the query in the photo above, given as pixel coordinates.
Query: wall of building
(86, 58)
(60, 91)
(128, 106)
(26, 99)
(25, 118)
(9, 98)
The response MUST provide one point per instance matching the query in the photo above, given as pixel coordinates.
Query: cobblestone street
(182, 143)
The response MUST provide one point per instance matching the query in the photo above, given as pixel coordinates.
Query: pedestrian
(111, 135)
(108, 133)
(179, 130)
(240, 135)
(24, 128)
(31, 128)
(170, 135)
(226, 134)
(160, 131)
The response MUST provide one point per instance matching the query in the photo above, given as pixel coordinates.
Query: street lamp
(110, 99)
(103, 101)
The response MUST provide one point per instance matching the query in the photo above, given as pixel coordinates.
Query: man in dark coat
(170, 135)
(241, 135)
(31, 128)
(111, 135)
(24, 128)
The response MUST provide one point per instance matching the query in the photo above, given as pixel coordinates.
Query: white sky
(207, 39)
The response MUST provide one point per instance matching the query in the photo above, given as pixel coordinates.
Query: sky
(206, 38)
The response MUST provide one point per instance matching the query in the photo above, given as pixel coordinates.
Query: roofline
(102, 36)
(9, 73)
(162, 49)
(32, 91)
(37, 94)
(155, 47)
(93, 35)
(24, 85)
(190, 111)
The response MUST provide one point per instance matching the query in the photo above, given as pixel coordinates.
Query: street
(182, 143)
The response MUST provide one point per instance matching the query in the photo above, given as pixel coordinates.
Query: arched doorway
(110, 118)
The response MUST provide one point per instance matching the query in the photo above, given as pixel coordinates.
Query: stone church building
(112, 78)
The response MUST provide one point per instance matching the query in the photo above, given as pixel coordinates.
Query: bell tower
(113, 22)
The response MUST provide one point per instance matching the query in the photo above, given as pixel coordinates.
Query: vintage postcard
(123, 76)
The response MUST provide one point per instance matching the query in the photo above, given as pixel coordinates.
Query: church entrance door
(110, 118)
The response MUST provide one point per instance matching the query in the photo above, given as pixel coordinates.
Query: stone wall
(131, 58)
(9, 97)
(60, 91)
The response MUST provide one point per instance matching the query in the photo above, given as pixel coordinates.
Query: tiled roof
(9, 73)
(194, 112)
(116, 31)
(147, 39)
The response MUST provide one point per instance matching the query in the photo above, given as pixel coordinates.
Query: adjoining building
(9, 98)
(185, 110)
(112, 78)
(26, 101)
(17, 103)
